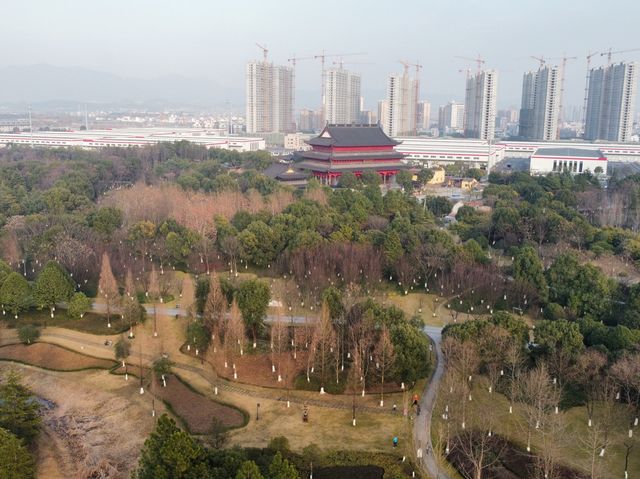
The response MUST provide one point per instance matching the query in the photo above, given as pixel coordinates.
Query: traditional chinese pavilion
(355, 148)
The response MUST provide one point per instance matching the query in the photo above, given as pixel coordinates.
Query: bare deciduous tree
(590, 371)
(626, 372)
(10, 248)
(494, 343)
(514, 359)
(361, 339)
(279, 336)
(540, 399)
(129, 285)
(479, 448)
(462, 358)
(592, 443)
(215, 304)
(324, 342)
(235, 335)
(108, 287)
(385, 357)
(154, 295)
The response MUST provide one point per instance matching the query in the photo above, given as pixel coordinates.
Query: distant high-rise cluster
(611, 99)
(424, 115)
(480, 105)
(402, 105)
(269, 98)
(540, 104)
(451, 117)
(310, 120)
(607, 114)
(342, 96)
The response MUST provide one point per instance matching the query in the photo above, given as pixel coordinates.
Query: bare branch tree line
(156, 203)
(534, 393)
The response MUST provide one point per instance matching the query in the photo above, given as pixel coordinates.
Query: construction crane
(406, 66)
(418, 67)
(294, 60)
(564, 59)
(341, 63)
(467, 73)
(609, 53)
(265, 51)
(323, 58)
(540, 59)
(480, 62)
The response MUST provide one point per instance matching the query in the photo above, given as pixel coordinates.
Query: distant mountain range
(52, 85)
(48, 87)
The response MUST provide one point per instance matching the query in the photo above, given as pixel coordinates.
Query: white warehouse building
(125, 137)
(572, 160)
(429, 151)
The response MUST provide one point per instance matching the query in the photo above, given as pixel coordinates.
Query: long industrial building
(571, 160)
(432, 151)
(135, 137)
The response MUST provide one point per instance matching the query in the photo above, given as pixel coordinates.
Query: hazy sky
(214, 39)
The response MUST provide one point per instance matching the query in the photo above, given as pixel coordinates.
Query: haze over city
(278, 239)
(210, 42)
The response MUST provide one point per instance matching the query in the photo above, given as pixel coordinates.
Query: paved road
(101, 308)
(422, 425)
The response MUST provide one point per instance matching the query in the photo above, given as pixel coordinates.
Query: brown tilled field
(196, 410)
(49, 356)
(256, 369)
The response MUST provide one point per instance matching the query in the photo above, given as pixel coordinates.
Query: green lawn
(91, 322)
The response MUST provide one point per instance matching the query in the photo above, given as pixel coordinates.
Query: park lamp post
(257, 411)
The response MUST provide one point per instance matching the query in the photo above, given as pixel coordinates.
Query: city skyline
(215, 42)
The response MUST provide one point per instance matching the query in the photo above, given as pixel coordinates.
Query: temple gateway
(351, 148)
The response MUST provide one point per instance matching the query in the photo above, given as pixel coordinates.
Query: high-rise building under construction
(402, 101)
(540, 104)
(342, 97)
(611, 101)
(480, 105)
(269, 98)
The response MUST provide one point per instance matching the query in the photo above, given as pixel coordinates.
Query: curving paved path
(170, 311)
(94, 346)
(422, 424)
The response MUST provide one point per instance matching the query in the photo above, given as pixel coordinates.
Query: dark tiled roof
(285, 172)
(352, 135)
(583, 152)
